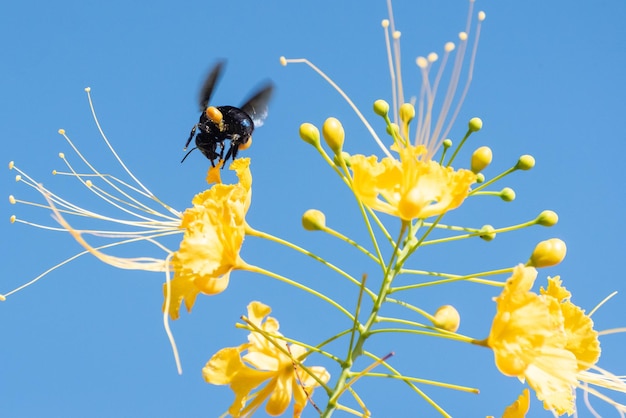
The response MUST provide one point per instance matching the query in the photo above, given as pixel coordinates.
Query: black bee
(220, 123)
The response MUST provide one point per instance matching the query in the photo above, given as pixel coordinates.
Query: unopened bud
(507, 194)
(333, 134)
(381, 108)
(487, 232)
(475, 124)
(447, 318)
(407, 112)
(481, 158)
(525, 162)
(548, 253)
(313, 220)
(547, 218)
(310, 134)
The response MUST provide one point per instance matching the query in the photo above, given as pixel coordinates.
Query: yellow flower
(543, 339)
(520, 407)
(410, 187)
(214, 233)
(265, 364)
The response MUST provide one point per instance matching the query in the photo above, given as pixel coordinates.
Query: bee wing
(209, 84)
(256, 107)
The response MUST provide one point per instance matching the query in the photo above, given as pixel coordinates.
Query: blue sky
(88, 339)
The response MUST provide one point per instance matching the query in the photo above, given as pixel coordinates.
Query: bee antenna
(181, 161)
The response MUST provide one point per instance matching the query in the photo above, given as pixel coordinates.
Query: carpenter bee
(220, 123)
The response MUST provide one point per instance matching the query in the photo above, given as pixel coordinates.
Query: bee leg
(232, 151)
(193, 132)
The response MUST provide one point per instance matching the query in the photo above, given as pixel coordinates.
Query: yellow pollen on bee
(214, 114)
(246, 145)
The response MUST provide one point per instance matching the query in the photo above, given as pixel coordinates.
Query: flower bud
(333, 134)
(447, 318)
(313, 220)
(548, 253)
(393, 130)
(507, 194)
(487, 233)
(310, 134)
(547, 218)
(407, 112)
(481, 158)
(447, 143)
(480, 177)
(381, 108)
(525, 162)
(475, 124)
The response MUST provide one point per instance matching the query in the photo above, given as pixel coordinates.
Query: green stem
(346, 373)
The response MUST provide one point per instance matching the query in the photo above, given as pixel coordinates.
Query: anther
(11, 199)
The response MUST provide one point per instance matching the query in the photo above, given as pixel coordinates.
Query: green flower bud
(447, 143)
(447, 318)
(548, 253)
(381, 108)
(313, 220)
(333, 134)
(480, 177)
(481, 158)
(547, 218)
(407, 112)
(475, 124)
(507, 194)
(396, 129)
(310, 134)
(487, 232)
(525, 162)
